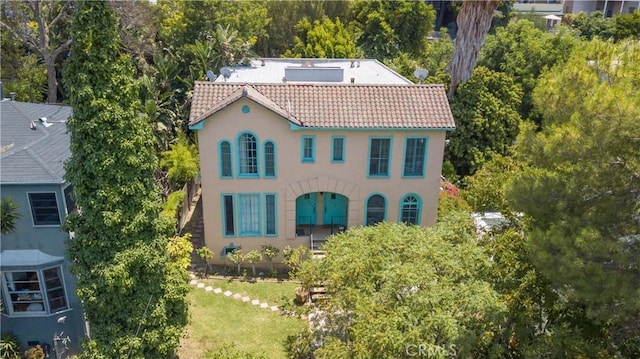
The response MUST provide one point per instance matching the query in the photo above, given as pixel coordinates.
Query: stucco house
(39, 303)
(293, 150)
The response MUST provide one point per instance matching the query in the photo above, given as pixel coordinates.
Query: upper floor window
(337, 149)
(44, 208)
(225, 159)
(34, 292)
(410, 209)
(379, 155)
(308, 148)
(376, 207)
(414, 157)
(269, 159)
(248, 154)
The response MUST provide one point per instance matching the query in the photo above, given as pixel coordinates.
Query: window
(248, 154)
(32, 292)
(308, 148)
(270, 214)
(225, 159)
(375, 209)
(44, 208)
(269, 159)
(337, 149)
(414, 155)
(69, 199)
(249, 214)
(410, 210)
(227, 215)
(379, 154)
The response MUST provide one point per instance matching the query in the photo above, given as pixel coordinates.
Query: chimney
(353, 80)
(12, 95)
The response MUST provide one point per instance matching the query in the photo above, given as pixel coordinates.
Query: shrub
(9, 347)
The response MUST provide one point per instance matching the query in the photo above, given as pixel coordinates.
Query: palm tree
(8, 215)
(474, 21)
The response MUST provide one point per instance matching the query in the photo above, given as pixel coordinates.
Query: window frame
(222, 160)
(303, 147)
(418, 209)
(384, 208)
(255, 217)
(273, 160)
(44, 300)
(267, 215)
(333, 149)
(225, 215)
(33, 213)
(379, 159)
(241, 158)
(69, 200)
(413, 152)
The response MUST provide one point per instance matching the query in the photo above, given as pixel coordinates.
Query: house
(39, 301)
(609, 8)
(294, 150)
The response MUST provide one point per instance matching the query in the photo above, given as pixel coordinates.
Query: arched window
(248, 154)
(376, 207)
(225, 159)
(269, 159)
(410, 209)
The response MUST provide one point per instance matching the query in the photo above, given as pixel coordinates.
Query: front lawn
(217, 320)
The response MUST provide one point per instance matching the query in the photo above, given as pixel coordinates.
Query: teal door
(335, 209)
(306, 208)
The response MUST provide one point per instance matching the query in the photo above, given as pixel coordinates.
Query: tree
(181, 162)
(8, 215)
(627, 26)
(132, 292)
(322, 39)
(394, 286)
(386, 28)
(38, 25)
(523, 52)
(591, 25)
(580, 187)
(474, 21)
(487, 120)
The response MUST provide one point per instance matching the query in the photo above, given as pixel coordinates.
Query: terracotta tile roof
(335, 105)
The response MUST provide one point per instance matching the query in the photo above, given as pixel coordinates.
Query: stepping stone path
(194, 281)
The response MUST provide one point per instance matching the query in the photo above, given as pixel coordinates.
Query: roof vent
(353, 80)
(43, 120)
(262, 62)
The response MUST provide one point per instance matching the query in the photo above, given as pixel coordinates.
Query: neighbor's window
(269, 159)
(248, 154)
(308, 148)
(337, 149)
(375, 209)
(414, 155)
(410, 210)
(44, 208)
(35, 292)
(225, 159)
(379, 155)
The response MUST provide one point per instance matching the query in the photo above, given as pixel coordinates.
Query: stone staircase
(195, 226)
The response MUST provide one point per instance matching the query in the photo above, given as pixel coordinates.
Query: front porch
(318, 234)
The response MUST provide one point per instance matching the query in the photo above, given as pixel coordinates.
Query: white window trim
(8, 303)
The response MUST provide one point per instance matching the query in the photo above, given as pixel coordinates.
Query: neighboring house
(292, 151)
(38, 291)
(609, 8)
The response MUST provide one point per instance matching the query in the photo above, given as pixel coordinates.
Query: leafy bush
(252, 258)
(174, 202)
(206, 255)
(9, 347)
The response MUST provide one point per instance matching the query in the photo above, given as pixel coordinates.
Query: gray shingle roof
(33, 156)
(334, 105)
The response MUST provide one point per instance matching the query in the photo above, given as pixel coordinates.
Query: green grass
(217, 320)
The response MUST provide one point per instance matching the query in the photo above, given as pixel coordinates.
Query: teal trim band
(197, 126)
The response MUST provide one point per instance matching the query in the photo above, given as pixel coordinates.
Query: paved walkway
(229, 294)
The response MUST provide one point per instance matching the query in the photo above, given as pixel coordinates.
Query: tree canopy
(322, 39)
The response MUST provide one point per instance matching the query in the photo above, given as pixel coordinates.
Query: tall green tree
(581, 184)
(487, 120)
(132, 293)
(523, 52)
(387, 28)
(322, 39)
(40, 27)
(393, 287)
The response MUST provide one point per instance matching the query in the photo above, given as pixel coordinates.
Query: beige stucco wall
(294, 178)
